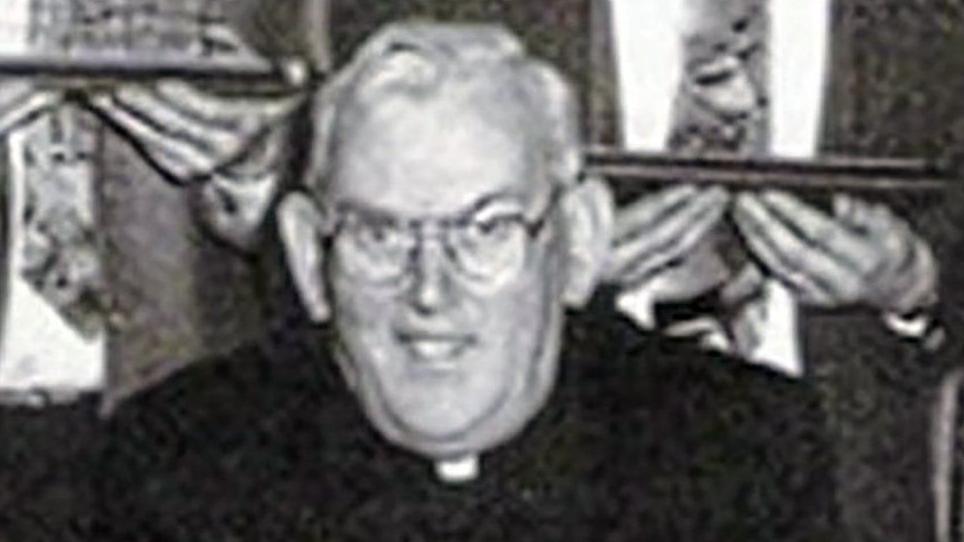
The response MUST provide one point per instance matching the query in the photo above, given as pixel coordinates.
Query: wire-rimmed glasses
(486, 242)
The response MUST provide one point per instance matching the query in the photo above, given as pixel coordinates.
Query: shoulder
(717, 392)
(214, 405)
(610, 349)
(207, 386)
(214, 444)
(748, 448)
(653, 379)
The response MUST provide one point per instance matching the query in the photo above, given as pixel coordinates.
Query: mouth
(435, 351)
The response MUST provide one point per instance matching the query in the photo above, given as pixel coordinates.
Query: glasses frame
(415, 231)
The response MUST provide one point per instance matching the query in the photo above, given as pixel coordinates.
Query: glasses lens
(375, 250)
(490, 249)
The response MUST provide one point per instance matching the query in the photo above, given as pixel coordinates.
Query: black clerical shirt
(46, 455)
(643, 439)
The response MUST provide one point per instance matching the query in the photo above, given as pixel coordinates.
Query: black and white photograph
(488, 270)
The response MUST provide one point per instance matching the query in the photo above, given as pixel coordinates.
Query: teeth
(433, 349)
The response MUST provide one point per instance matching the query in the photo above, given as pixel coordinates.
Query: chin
(438, 445)
(438, 435)
(447, 437)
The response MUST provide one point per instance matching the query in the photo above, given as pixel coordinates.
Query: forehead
(435, 154)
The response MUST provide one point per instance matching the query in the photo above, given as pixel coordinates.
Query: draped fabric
(110, 216)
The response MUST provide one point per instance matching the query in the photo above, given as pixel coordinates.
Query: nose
(430, 291)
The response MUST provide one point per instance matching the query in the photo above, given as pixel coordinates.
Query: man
(440, 235)
(720, 105)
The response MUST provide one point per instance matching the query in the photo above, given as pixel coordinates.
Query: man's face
(455, 350)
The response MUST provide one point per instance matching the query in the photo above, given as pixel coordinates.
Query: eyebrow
(501, 197)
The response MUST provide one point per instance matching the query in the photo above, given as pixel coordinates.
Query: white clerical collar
(458, 471)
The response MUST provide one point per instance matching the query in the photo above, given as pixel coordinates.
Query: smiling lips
(438, 350)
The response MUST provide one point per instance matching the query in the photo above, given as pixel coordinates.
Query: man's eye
(492, 229)
(378, 235)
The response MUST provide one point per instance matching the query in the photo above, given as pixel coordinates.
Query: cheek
(514, 318)
(362, 316)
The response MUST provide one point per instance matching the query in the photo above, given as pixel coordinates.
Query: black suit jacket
(897, 90)
(46, 460)
(643, 439)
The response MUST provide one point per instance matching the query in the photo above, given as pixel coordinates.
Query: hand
(655, 235)
(864, 254)
(233, 204)
(21, 102)
(187, 133)
(232, 147)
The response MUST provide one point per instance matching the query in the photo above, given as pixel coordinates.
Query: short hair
(417, 57)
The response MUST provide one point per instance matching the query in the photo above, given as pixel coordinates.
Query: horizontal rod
(635, 171)
(632, 170)
(77, 71)
(819, 174)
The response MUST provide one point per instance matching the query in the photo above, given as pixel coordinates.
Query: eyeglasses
(483, 244)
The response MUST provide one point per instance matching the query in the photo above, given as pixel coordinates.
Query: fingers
(869, 256)
(685, 279)
(168, 120)
(907, 278)
(221, 112)
(642, 264)
(21, 103)
(179, 156)
(821, 231)
(188, 103)
(664, 229)
(235, 211)
(808, 268)
(650, 210)
(187, 133)
(893, 236)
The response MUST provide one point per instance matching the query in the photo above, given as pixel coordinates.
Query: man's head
(443, 230)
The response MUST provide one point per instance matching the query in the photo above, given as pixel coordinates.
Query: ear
(299, 223)
(589, 210)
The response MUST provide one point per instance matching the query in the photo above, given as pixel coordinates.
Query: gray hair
(418, 57)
